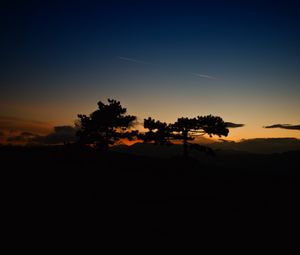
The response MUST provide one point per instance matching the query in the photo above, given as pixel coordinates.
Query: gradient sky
(236, 59)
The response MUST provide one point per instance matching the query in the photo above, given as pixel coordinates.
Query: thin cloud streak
(132, 60)
(143, 62)
(234, 125)
(284, 126)
(204, 76)
(14, 125)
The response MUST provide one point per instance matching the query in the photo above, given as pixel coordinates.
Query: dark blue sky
(61, 35)
(66, 54)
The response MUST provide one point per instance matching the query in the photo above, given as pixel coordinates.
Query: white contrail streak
(143, 62)
(204, 76)
(132, 60)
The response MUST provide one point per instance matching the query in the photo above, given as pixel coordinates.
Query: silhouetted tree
(159, 132)
(106, 126)
(186, 129)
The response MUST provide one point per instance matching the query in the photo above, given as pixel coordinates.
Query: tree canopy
(109, 124)
(189, 128)
(158, 132)
(106, 126)
(184, 129)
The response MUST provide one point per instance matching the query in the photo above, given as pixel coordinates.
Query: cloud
(234, 125)
(204, 76)
(27, 134)
(284, 126)
(61, 134)
(15, 125)
(17, 139)
(23, 137)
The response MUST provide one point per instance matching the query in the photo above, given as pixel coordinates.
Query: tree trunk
(185, 144)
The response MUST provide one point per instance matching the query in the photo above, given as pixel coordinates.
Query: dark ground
(65, 189)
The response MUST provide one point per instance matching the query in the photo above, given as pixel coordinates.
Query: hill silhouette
(250, 146)
(261, 145)
(134, 194)
(165, 186)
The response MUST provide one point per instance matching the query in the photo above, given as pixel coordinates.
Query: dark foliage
(106, 126)
(159, 132)
(184, 129)
(189, 128)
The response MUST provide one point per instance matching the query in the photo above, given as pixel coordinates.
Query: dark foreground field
(64, 189)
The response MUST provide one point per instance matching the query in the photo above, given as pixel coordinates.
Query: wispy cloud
(234, 125)
(17, 125)
(133, 60)
(204, 76)
(284, 126)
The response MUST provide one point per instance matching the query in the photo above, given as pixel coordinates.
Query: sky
(166, 59)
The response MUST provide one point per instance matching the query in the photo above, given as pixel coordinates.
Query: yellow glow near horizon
(167, 106)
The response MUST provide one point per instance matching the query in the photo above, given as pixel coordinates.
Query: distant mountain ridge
(261, 145)
(254, 146)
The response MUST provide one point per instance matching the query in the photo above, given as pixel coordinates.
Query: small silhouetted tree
(158, 132)
(186, 129)
(106, 126)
